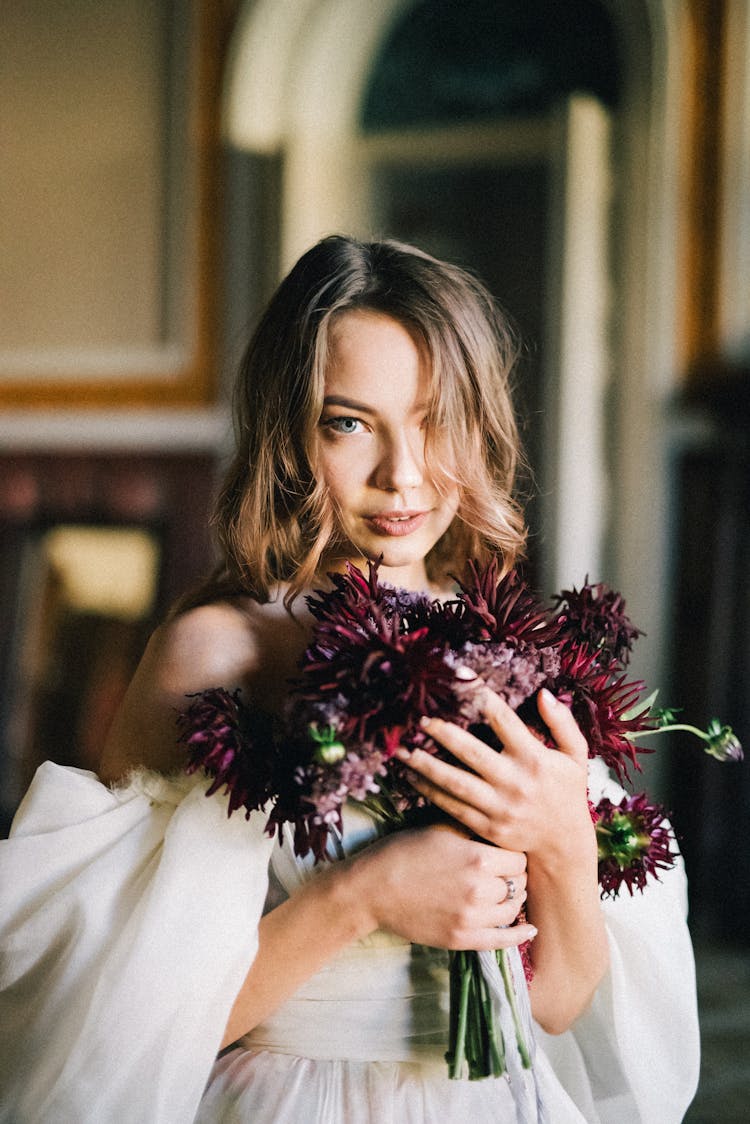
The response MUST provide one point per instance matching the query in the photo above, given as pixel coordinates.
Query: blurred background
(165, 161)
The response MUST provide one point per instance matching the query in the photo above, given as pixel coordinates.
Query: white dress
(128, 920)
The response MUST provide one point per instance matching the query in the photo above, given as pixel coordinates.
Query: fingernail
(532, 932)
(424, 721)
(402, 753)
(548, 697)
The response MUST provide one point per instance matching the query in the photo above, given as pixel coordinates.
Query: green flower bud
(722, 742)
(328, 753)
(330, 749)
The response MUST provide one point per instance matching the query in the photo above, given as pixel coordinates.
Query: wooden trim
(195, 383)
(703, 124)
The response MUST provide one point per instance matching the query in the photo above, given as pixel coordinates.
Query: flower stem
(672, 728)
(510, 991)
(496, 1047)
(459, 1049)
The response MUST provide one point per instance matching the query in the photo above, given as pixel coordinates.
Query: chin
(394, 553)
(396, 556)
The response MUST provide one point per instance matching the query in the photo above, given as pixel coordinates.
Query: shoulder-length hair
(274, 519)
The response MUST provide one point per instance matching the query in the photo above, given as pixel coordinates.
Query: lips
(396, 523)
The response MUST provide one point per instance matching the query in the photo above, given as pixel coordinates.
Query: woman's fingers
(506, 725)
(444, 889)
(507, 797)
(514, 734)
(502, 936)
(475, 754)
(563, 726)
(463, 802)
(467, 784)
(465, 747)
(515, 887)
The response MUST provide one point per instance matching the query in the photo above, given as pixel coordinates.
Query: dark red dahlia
(352, 597)
(379, 680)
(233, 744)
(605, 706)
(357, 600)
(595, 616)
(634, 843)
(504, 609)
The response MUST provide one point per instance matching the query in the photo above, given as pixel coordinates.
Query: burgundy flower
(352, 595)
(634, 843)
(376, 663)
(595, 616)
(379, 679)
(310, 835)
(504, 608)
(232, 744)
(603, 705)
(357, 601)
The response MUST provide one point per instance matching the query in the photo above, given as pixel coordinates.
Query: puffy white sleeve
(128, 921)
(633, 1057)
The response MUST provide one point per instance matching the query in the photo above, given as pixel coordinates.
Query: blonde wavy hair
(274, 519)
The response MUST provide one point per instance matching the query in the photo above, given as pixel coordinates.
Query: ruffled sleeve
(633, 1057)
(128, 921)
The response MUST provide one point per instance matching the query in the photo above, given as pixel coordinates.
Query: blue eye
(343, 424)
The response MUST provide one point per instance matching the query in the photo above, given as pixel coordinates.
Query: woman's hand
(433, 886)
(527, 798)
(438, 887)
(534, 799)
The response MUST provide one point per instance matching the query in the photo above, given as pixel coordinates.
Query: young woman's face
(370, 448)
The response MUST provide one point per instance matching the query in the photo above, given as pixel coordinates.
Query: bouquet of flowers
(380, 658)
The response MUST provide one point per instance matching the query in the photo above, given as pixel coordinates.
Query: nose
(401, 465)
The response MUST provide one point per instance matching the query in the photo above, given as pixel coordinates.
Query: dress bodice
(381, 998)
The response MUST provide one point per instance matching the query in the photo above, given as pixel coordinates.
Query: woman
(374, 421)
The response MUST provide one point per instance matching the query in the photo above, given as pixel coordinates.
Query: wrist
(345, 893)
(572, 849)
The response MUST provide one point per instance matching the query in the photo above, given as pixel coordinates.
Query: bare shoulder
(214, 645)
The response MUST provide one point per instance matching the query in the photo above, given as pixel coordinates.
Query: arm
(433, 886)
(533, 799)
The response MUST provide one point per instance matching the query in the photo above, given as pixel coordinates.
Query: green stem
(502, 959)
(496, 1046)
(453, 1007)
(459, 1053)
(474, 1051)
(672, 728)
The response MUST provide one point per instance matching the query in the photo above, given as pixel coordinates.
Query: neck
(413, 576)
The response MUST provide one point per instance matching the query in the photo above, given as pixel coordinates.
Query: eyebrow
(347, 403)
(361, 407)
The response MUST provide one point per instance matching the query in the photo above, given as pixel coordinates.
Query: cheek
(338, 470)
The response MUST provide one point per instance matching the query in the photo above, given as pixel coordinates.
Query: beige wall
(81, 177)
